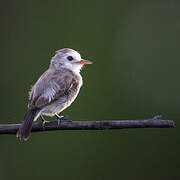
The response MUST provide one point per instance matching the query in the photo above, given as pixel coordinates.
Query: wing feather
(51, 86)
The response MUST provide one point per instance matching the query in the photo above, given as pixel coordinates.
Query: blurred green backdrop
(135, 49)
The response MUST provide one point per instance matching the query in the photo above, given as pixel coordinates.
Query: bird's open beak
(83, 61)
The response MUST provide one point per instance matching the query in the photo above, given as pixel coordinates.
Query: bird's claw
(62, 119)
(43, 123)
(158, 117)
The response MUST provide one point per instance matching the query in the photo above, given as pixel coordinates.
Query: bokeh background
(136, 53)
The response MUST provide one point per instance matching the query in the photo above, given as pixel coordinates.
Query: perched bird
(55, 90)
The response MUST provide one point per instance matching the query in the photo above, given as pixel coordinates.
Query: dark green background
(136, 53)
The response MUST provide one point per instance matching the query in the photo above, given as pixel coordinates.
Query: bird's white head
(70, 59)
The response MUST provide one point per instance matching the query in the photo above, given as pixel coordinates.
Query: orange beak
(83, 61)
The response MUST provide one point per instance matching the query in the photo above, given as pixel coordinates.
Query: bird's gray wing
(51, 86)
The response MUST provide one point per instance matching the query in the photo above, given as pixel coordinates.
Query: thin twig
(155, 122)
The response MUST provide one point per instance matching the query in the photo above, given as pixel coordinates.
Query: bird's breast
(74, 89)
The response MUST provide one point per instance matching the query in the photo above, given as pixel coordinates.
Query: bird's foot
(44, 121)
(61, 119)
(158, 117)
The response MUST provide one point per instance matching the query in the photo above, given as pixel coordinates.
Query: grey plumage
(55, 90)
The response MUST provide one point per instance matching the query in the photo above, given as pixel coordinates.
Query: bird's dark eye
(70, 58)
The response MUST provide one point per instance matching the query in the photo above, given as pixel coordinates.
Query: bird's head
(70, 59)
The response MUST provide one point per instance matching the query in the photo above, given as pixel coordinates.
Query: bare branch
(155, 122)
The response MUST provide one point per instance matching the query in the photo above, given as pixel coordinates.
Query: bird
(55, 90)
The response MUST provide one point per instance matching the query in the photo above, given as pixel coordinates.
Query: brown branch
(155, 122)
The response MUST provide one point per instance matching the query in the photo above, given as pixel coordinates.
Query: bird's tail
(25, 129)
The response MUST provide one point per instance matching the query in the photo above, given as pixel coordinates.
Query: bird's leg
(43, 121)
(59, 118)
(62, 118)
